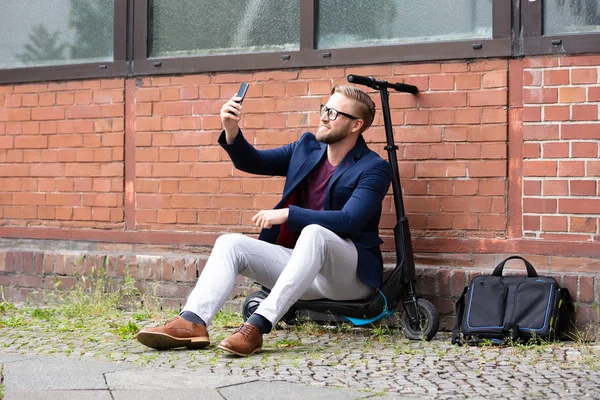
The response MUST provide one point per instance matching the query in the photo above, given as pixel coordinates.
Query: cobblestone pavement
(385, 364)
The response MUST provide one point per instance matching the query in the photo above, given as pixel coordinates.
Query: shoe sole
(162, 341)
(257, 350)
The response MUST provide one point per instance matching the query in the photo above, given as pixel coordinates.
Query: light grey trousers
(321, 265)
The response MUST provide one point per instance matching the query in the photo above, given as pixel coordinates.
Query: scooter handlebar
(377, 85)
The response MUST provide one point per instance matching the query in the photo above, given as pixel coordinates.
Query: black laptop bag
(501, 309)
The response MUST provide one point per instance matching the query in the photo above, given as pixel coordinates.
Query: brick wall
(61, 154)
(452, 141)
(561, 134)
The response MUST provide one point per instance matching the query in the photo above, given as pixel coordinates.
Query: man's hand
(230, 118)
(268, 218)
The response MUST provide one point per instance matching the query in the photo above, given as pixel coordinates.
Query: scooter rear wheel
(251, 303)
(427, 324)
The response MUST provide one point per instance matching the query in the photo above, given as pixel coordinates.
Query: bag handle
(530, 270)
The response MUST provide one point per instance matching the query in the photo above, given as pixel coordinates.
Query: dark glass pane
(571, 16)
(55, 32)
(357, 23)
(201, 27)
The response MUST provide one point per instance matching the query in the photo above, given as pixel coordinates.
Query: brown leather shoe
(176, 333)
(245, 341)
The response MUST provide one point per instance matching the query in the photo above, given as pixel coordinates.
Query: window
(355, 23)
(61, 39)
(560, 26)
(571, 16)
(55, 32)
(191, 27)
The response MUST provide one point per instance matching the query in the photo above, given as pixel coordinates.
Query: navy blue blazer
(352, 206)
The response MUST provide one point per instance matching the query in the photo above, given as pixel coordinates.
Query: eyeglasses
(332, 113)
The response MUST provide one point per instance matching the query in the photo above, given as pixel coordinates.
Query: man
(320, 241)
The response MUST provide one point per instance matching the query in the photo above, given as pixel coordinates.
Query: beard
(328, 135)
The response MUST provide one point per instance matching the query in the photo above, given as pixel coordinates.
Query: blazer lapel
(307, 165)
(347, 163)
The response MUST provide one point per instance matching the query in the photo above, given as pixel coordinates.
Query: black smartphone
(242, 91)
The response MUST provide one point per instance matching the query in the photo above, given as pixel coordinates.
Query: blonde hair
(366, 109)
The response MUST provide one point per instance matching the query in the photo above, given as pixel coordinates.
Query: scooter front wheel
(427, 324)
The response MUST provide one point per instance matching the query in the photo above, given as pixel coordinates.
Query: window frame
(309, 56)
(534, 42)
(517, 30)
(116, 67)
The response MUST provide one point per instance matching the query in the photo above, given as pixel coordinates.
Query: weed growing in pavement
(226, 318)
(128, 331)
(287, 343)
(96, 295)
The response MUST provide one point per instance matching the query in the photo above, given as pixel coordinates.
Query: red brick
(492, 222)
(557, 113)
(579, 206)
(439, 221)
(466, 188)
(474, 204)
(587, 112)
(83, 112)
(579, 60)
(487, 168)
(555, 188)
(583, 224)
(539, 168)
(172, 108)
(17, 114)
(540, 96)
(556, 77)
(539, 206)
(467, 222)
(571, 94)
(556, 150)
(580, 131)
(438, 100)
(593, 168)
(441, 169)
(586, 289)
(584, 75)
(143, 95)
(441, 82)
(594, 93)
(442, 117)
(582, 188)
(531, 223)
(532, 77)
(532, 114)
(417, 117)
(493, 150)
(489, 187)
(540, 132)
(554, 224)
(468, 116)
(13, 101)
(487, 133)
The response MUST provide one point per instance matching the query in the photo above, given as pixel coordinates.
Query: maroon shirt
(312, 190)
(310, 194)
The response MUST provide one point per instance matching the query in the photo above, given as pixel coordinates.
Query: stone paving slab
(59, 395)
(48, 374)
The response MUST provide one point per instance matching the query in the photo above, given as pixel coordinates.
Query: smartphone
(242, 91)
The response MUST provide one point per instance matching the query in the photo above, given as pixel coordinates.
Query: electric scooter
(420, 319)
